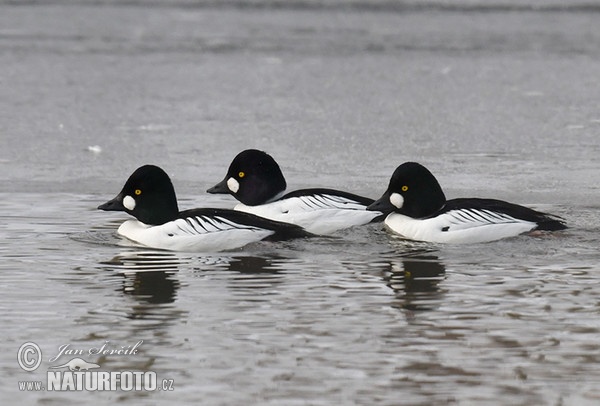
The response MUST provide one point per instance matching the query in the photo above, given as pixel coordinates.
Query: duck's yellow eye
(138, 192)
(241, 174)
(404, 188)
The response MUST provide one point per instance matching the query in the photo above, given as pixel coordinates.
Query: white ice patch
(96, 149)
(129, 202)
(233, 185)
(397, 200)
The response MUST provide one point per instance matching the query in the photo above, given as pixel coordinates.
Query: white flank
(317, 214)
(197, 234)
(459, 226)
(129, 202)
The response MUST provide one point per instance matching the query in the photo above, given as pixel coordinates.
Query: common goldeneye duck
(421, 212)
(149, 196)
(255, 179)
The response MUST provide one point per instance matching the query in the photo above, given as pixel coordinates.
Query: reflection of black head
(148, 276)
(152, 287)
(416, 281)
(251, 265)
(422, 276)
(254, 273)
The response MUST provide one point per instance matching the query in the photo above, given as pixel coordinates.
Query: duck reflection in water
(150, 277)
(254, 273)
(252, 265)
(152, 287)
(415, 281)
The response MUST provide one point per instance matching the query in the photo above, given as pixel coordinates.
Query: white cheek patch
(129, 202)
(397, 200)
(233, 185)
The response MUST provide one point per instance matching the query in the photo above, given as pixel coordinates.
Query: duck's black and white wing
(319, 199)
(480, 212)
(209, 230)
(319, 211)
(463, 219)
(472, 221)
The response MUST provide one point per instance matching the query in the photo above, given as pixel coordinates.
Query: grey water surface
(498, 99)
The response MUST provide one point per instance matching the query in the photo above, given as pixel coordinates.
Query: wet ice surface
(498, 104)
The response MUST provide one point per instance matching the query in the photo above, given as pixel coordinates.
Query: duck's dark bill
(115, 204)
(219, 188)
(383, 205)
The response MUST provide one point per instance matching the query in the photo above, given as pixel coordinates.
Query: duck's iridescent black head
(148, 195)
(253, 178)
(413, 191)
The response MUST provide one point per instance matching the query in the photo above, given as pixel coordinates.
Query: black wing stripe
(466, 215)
(226, 222)
(310, 201)
(233, 224)
(196, 225)
(325, 201)
(191, 222)
(462, 216)
(213, 222)
(320, 199)
(502, 217)
(342, 200)
(498, 216)
(201, 224)
(223, 222)
(334, 199)
(479, 216)
(317, 201)
(206, 224)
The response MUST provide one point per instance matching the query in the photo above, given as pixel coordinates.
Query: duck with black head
(419, 211)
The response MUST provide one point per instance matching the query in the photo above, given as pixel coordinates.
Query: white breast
(198, 234)
(317, 214)
(459, 226)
